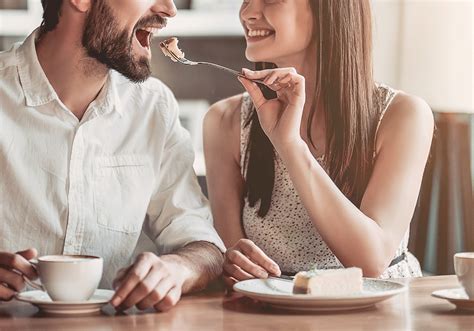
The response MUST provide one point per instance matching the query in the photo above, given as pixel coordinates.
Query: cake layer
(334, 282)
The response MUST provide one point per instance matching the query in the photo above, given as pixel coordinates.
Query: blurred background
(424, 47)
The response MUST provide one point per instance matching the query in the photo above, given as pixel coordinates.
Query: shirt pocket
(123, 186)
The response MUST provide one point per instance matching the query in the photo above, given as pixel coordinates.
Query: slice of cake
(171, 46)
(333, 282)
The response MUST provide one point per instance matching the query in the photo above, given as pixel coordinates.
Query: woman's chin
(255, 56)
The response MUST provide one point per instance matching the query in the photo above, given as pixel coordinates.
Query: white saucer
(279, 293)
(456, 296)
(41, 300)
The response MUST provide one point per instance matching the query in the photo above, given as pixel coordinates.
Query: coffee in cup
(464, 267)
(68, 277)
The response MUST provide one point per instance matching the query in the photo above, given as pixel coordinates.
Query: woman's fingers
(279, 80)
(239, 259)
(262, 74)
(229, 281)
(236, 272)
(259, 257)
(255, 93)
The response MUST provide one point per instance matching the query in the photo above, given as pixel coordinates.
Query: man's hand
(12, 268)
(151, 281)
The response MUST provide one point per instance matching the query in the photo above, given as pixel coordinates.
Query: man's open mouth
(144, 36)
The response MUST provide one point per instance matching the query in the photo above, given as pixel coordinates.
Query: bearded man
(92, 153)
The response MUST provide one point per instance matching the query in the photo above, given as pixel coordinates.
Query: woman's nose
(251, 10)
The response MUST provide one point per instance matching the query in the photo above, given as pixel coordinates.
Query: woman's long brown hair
(345, 89)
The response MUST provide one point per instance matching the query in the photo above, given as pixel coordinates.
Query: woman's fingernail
(262, 274)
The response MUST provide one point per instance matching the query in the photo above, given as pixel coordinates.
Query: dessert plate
(456, 296)
(279, 293)
(41, 300)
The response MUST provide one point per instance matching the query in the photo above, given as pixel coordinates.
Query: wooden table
(212, 310)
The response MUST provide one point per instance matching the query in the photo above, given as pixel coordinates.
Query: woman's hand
(280, 118)
(245, 260)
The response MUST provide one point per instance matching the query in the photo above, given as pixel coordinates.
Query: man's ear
(82, 6)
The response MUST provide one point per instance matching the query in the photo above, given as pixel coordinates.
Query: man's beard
(105, 42)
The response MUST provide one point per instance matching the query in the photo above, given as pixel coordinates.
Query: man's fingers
(12, 279)
(120, 276)
(135, 275)
(245, 264)
(29, 254)
(143, 289)
(19, 263)
(170, 300)
(157, 294)
(6, 294)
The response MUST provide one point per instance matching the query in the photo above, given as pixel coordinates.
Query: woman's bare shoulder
(222, 129)
(224, 115)
(407, 117)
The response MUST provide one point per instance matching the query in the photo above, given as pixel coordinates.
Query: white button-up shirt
(91, 186)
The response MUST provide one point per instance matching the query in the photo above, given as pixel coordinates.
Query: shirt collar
(37, 89)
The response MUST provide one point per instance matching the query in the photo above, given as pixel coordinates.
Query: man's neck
(76, 78)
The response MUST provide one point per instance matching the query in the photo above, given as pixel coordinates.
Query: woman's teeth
(259, 33)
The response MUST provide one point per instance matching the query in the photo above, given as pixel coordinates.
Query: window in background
(13, 4)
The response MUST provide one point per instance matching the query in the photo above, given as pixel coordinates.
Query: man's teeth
(259, 33)
(151, 30)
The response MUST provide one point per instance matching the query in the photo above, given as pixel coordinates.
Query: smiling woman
(327, 175)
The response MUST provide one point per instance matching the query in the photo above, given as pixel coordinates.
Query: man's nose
(164, 8)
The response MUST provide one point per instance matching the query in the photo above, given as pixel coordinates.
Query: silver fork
(185, 61)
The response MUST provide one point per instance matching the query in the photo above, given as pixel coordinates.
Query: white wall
(425, 47)
(437, 54)
(387, 16)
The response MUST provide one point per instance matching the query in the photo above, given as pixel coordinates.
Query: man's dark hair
(51, 13)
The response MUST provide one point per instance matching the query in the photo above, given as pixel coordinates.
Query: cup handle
(29, 282)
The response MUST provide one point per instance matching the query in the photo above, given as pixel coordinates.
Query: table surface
(415, 309)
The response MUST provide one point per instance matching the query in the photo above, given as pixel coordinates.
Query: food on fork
(171, 46)
(333, 282)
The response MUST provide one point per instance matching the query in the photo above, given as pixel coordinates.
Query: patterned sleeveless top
(286, 234)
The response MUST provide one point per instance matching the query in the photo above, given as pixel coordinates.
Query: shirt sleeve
(179, 213)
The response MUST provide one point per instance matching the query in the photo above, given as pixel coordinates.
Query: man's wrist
(198, 262)
(180, 265)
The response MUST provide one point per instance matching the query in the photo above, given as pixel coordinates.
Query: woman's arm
(243, 259)
(367, 237)
(224, 180)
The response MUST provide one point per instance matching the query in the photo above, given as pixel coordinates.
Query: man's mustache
(155, 21)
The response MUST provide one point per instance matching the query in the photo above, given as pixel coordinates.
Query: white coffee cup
(68, 277)
(464, 267)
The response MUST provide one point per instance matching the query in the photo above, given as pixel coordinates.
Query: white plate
(279, 293)
(456, 296)
(41, 300)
